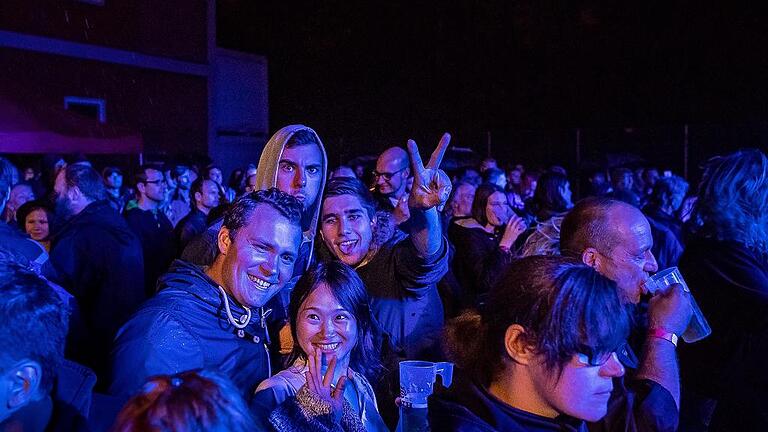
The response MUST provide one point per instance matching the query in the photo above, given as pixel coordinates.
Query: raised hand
(321, 385)
(515, 226)
(431, 185)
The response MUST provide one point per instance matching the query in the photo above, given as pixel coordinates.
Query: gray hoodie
(266, 177)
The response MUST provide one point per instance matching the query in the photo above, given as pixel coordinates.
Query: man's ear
(25, 378)
(224, 240)
(517, 345)
(198, 197)
(590, 257)
(74, 193)
(141, 187)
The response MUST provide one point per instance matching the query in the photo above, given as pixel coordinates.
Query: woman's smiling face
(323, 324)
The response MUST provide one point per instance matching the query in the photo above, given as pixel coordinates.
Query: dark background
(368, 75)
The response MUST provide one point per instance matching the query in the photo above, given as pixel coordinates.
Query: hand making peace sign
(431, 185)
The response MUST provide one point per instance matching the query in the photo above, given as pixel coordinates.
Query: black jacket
(730, 285)
(97, 258)
(467, 407)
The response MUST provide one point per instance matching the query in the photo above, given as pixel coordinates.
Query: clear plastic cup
(417, 379)
(698, 328)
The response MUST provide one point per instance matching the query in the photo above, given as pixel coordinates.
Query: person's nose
(269, 266)
(328, 329)
(344, 227)
(613, 367)
(300, 179)
(651, 265)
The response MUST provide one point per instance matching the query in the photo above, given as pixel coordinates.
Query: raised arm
(430, 191)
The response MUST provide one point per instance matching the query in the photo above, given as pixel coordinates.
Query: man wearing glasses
(151, 226)
(391, 182)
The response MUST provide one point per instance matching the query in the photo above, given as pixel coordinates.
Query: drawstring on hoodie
(244, 319)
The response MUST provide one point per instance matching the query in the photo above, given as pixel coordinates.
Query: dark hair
(347, 287)
(548, 198)
(586, 225)
(212, 167)
(667, 188)
(492, 175)
(179, 170)
(562, 304)
(338, 186)
(30, 206)
(238, 214)
(141, 174)
(301, 138)
(194, 401)
(33, 319)
(86, 179)
(482, 193)
(197, 186)
(732, 201)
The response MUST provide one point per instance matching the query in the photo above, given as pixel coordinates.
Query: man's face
(631, 259)
(250, 184)
(215, 175)
(184, 180)
(515, 177)
(154, 186)
(62, 202)
(20, 194)
(114, 180)
(391, 176)
(462, 202)
(650, 177)
(208, 198)
(346, 228)
(259, 260)
(581, 391)
(300, 173)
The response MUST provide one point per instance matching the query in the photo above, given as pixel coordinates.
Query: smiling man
(400, 274)
(214, 318)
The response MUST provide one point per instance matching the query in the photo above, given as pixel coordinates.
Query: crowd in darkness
(166, 299)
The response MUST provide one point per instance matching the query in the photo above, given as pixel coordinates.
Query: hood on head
(266, 173)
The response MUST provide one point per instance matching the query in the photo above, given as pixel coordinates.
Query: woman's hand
(515, 226)
(321, 385)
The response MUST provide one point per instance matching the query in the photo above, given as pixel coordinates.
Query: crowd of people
(285, 298)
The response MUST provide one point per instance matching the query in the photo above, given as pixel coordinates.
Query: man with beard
(205, 197)
(391, 183)
(151, 226)
(97, 258)
(213, 317)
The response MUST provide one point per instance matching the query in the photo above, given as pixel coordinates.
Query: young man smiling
(401, 274)
(214, 318)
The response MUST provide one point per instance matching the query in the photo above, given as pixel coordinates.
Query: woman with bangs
(542, 354)
(334, 355)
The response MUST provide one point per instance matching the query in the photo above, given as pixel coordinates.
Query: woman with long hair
(335, 353)
(725, 263)
(484, 243)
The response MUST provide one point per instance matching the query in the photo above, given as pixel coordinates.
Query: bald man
(390, 178)
(615, 239)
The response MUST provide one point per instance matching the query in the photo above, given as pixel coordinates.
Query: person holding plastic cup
(542, 354)
(615, 239)
(334, 349)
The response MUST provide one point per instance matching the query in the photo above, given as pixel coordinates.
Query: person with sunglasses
(542, 355)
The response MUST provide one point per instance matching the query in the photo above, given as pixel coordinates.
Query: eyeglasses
(161, 181)
(387, 176)
(588, 356)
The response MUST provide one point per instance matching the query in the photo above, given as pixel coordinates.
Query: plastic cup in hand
(698, 328)
(417, 379)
